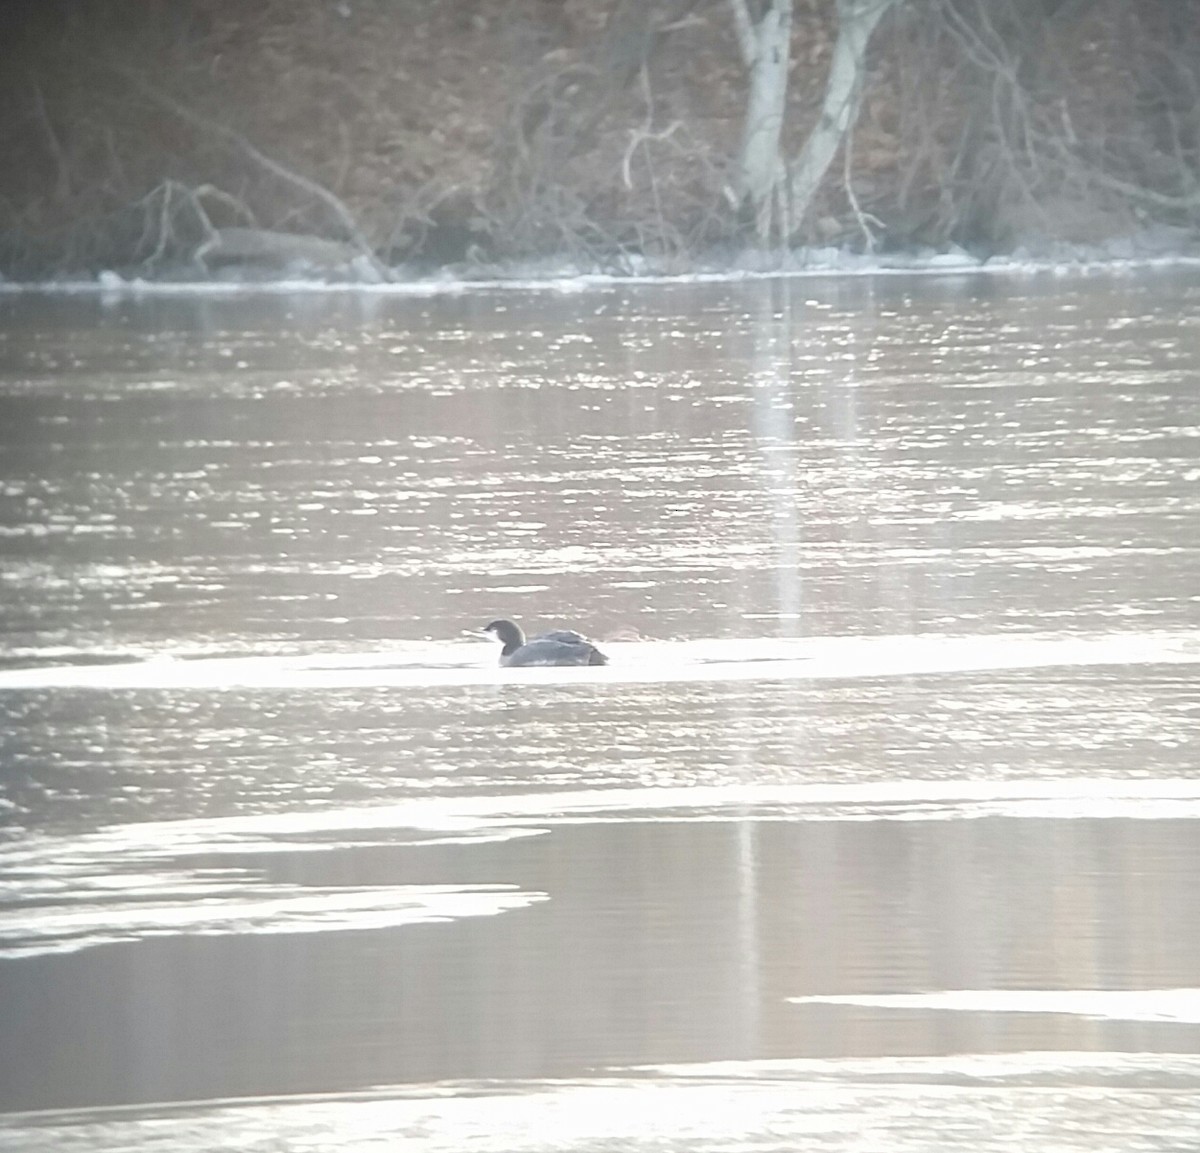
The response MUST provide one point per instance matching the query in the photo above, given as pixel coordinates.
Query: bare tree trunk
(857, 20)
(766, 50)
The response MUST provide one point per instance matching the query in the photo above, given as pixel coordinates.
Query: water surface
(882, 820)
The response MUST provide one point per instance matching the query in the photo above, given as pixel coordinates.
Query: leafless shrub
(1026, 124)
(596, 130)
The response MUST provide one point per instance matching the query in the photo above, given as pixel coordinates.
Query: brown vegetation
(469, 131)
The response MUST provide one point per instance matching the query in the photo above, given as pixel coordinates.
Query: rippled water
(881, 826)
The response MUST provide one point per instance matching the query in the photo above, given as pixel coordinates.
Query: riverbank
(548, 277)
(371, 141)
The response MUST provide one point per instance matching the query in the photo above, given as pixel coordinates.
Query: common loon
(560, 647)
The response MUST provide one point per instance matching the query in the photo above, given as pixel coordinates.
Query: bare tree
(765, 45)
(857, 20)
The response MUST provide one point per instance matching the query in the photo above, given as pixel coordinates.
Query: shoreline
(109, 283)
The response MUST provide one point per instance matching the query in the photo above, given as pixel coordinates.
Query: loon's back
(553, 650)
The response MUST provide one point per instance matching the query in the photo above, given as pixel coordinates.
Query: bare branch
(857, 20)
(336, 206)
(865, 219)
(1147, 195)
(204, 191)
(645, 133)
(641, 136)
(747, 37)
(56, 149)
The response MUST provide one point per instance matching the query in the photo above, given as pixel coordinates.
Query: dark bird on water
(560, 647)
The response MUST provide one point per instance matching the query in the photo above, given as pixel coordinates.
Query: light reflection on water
(904, 757)
(218, 876)
(1059, 1101)
(875, 461)
(181, 738)
(819, 658)
(608, 969)
(1181, 1005)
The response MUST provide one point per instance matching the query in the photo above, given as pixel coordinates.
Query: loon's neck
(514, 640)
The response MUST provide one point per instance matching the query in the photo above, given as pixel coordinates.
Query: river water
(880, 831)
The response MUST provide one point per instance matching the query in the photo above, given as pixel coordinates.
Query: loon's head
(508, 633)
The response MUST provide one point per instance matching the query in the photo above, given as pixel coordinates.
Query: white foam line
(843, 266)
(999, 1066)
(145, 881)
(1180, 1006)
(254, 908)
(1107, 1102)
(817, 658)
(155, 841)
